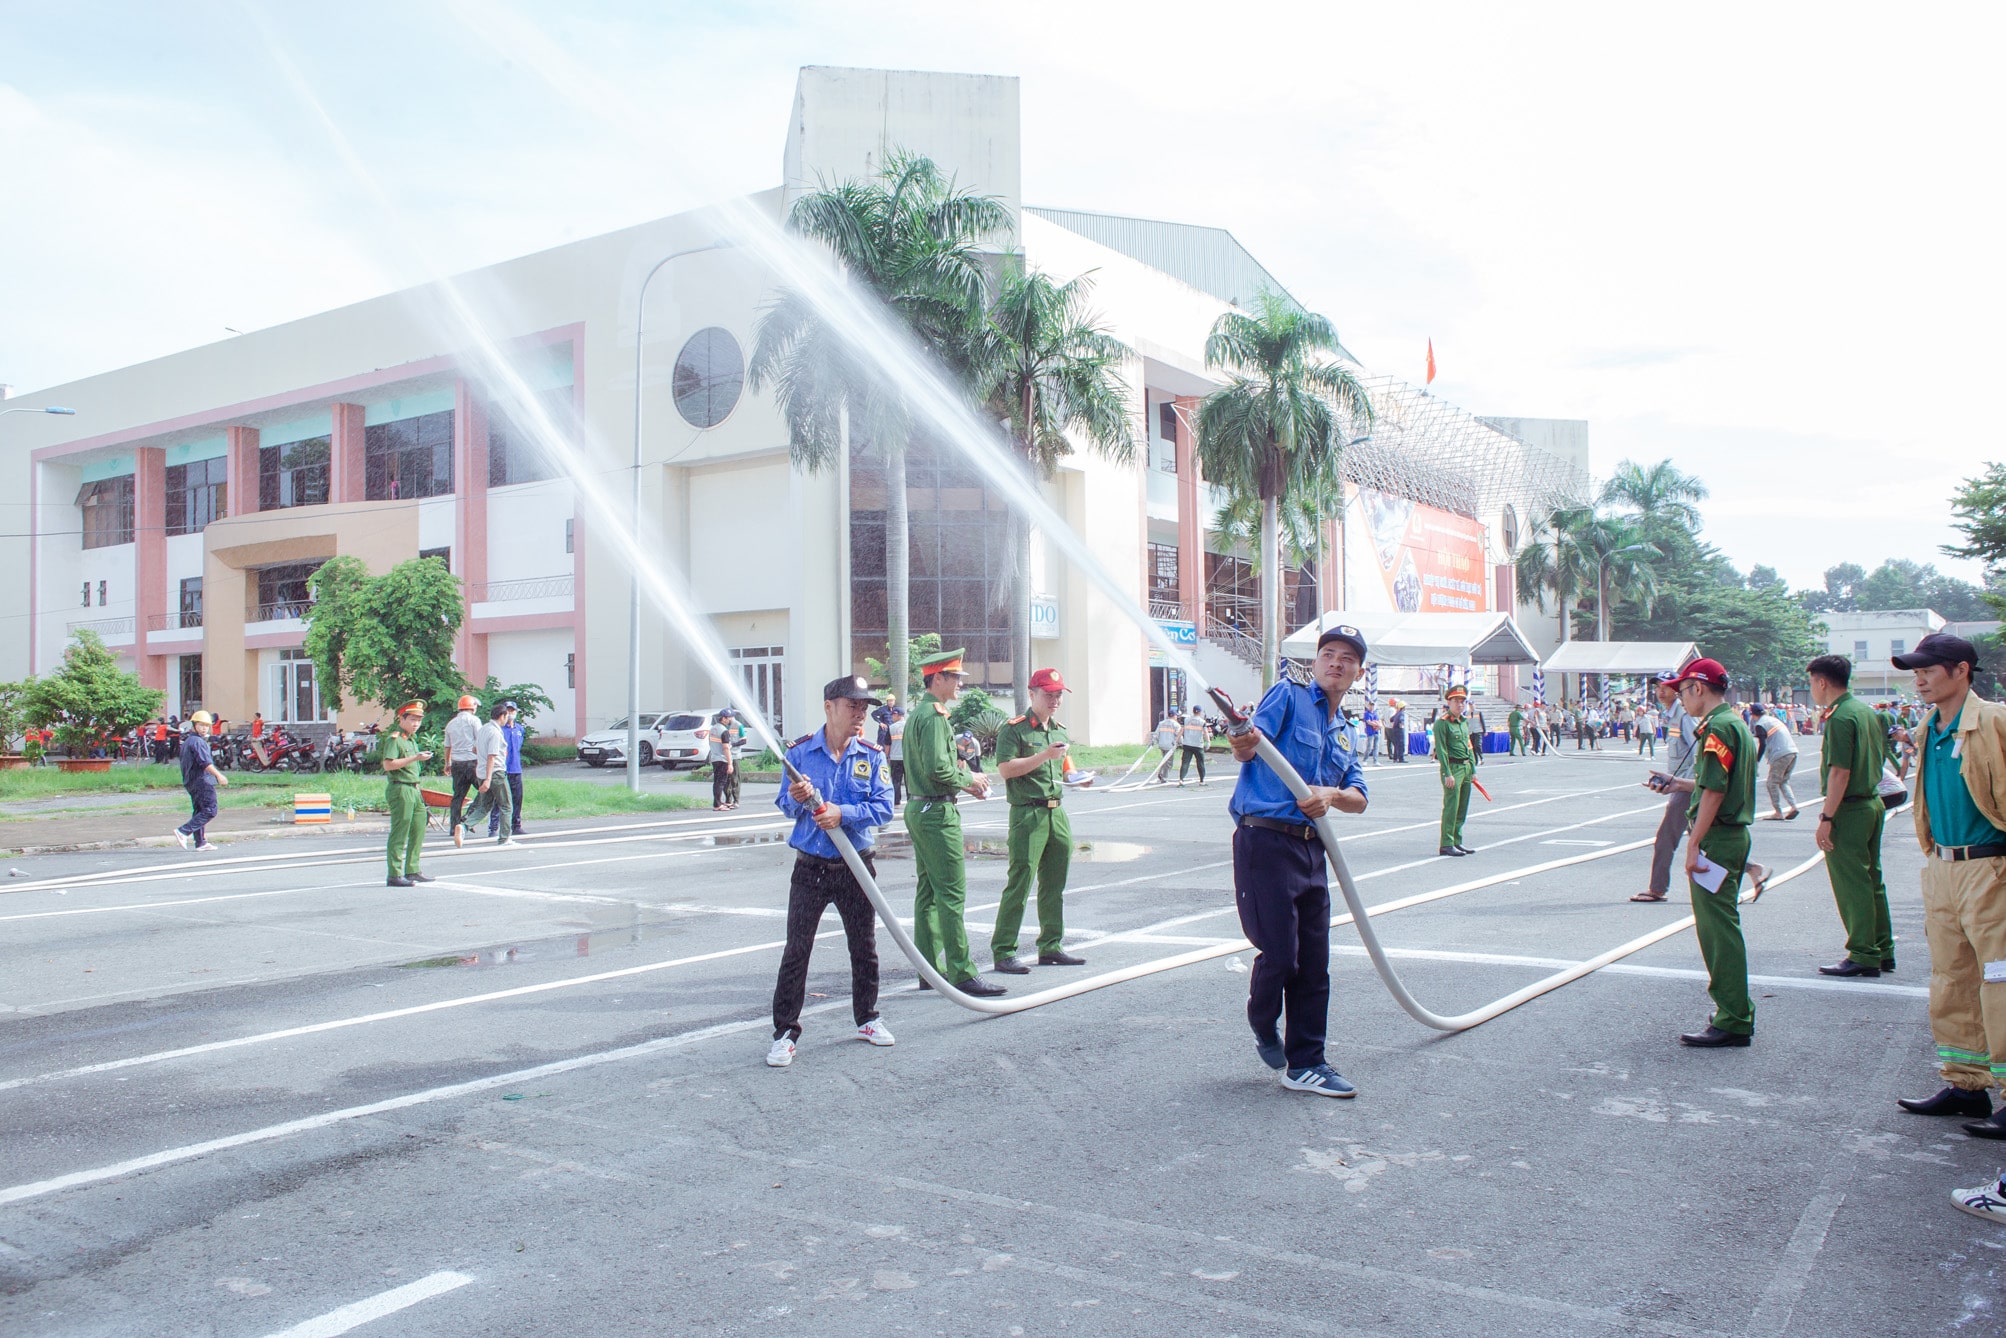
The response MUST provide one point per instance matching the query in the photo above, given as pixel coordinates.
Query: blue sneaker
(1323, 1080)
(1270, 1049)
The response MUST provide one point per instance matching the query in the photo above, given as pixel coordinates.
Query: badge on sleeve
(861, 769)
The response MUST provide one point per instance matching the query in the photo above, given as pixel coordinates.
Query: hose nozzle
(1237, 724)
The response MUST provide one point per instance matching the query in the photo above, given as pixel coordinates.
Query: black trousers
(1184, 763)
(465, 777)
(202, 805)
(1283, 895)
(720, 785)
(898, 782)
(814, 887)
(1396, 743)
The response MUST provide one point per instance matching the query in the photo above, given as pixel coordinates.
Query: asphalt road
(265, 1091)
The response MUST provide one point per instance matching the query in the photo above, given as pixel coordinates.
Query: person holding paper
(1722, 806)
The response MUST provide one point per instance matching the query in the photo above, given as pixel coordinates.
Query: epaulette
(1018, 719)
(803, 739)
(867, 743)
(940, 707)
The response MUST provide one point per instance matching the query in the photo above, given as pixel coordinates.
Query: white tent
(1621, 657)
(1423, 638)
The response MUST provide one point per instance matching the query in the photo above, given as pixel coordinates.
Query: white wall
(526, 530)
(537, 657)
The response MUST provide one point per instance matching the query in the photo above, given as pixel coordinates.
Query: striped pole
(1539, 685)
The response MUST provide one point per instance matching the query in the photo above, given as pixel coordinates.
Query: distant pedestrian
(1681, 745)
(1192, 739)
(200, 778)
(969, 749)
(495, 794)
(1370, 720)
(512, 734)
(463, 761)
(1396, 730)
(401, 758)
(1851, 817)
(895, 753)
(1167, 730)
(722, 745)
(1515, 726)
(1777, 747)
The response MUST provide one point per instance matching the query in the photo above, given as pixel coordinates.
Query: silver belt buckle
(1945, 854)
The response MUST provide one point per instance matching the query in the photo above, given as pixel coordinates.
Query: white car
(682, 738)
(610, 744)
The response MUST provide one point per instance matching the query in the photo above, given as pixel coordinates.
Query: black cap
(849, 688)
(1346, 633)
(1939, 648)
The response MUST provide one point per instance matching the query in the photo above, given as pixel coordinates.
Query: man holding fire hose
(1280, 880)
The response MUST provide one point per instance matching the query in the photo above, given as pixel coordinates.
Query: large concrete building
(181, 511)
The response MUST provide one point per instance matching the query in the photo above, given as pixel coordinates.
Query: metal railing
(104, 626)
(279, 611)
(1168, 610)
(529, 587)
(183, 621)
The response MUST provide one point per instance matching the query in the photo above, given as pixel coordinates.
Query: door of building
(295, 692)
(761, 668)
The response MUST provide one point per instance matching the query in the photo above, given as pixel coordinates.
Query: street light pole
(54, 408)
(634, 520)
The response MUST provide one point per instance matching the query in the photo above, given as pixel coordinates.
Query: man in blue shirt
(512, 738)
(1280, 882)
(200, 777)
(854, 781)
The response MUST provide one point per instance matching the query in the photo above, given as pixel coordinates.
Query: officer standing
(1850, 820)
(934, 823)
(1030, 757)
(1280, 881)
(850, 774)
(400, 757)
(1722, 806)
(1458, 761)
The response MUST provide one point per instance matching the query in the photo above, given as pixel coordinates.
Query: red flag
(1431, 362)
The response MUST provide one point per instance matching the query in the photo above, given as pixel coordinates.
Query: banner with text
(1403, 557)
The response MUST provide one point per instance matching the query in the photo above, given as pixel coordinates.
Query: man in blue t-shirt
(200, 776)
(1280, 884)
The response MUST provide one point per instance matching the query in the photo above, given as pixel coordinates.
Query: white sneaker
(781, 1055)
(207, 848)
(459, 834)
(181, 838)
(1984, 1201)
(876, 1032)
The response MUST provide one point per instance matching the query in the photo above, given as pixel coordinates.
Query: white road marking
(1576, 843)
(1811, 983)
(358, 1313)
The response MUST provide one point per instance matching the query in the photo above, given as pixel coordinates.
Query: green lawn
(542, 798)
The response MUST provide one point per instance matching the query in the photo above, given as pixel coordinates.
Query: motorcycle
(350, 752)
(281, 750)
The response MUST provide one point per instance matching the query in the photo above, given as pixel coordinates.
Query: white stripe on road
(358, 1313)
(1812, 983)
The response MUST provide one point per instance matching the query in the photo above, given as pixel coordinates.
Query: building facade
(181, 512)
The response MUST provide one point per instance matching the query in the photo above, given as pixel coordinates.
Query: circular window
(710, 372)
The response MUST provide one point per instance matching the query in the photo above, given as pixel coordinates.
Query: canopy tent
(1423, 639)
(1621, 657)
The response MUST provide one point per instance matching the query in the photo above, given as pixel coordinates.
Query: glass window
(107, 508)
(283, 592)
(293, 473)
(514, 454)
(1898, 646)
(87, 594)
(196, 495)
(101, 594)
(710, 372)
(568, 535)
(444, 555)
(410, 458)
(571, 669)
(1859, 651)
(191, 683)
(191, 601)
(682, 722)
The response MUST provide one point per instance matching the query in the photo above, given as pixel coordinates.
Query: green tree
(1279, 424)
(90, 700)
(529, 698)
(910, 238)
(1661, 497)
(1838, 596)
(1761, 634)
(1045, 366)
(1554, 560)
(1980, 507)
(386, 639)
(13, 718)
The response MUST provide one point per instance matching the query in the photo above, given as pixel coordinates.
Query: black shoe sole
(1864, 973)
(1986, 1129)
(1012, 970)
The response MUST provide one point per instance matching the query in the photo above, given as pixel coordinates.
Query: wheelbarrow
(438, 808)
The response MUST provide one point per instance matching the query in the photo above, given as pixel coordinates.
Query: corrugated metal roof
(1209, 259)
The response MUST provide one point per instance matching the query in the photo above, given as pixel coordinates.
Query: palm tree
(1045, 366)
(1622, 564)
(909, 237)
(1660, 494)
(1277, 426)
(1553, 561)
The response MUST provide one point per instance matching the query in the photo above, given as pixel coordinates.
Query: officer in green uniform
(936, 779)
(1458, 761)
(401, 758)
(1031, 758)
(1515, 722)
(1722, 806)
(1850, 820)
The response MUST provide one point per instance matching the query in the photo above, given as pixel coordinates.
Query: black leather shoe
(923, 985)
(979, 987)
(1992, 1128)
(1464, 850)
(1713, 1037)
(1451, 850)
(1950, 1101)
(1849, 970)
(1887, 966)
(398, 882)
(1010, 966)
(1060, 958)
(421, 878)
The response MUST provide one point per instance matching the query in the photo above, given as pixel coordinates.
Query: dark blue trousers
(1283, 894)
(202, 798)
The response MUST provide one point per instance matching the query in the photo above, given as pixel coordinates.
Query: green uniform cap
(947, 662)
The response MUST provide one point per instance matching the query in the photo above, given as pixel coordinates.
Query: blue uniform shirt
(860, 781)
(196, 760)
(1316, 741)
(512, 736)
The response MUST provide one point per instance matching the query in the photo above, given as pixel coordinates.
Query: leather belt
(937, 798)
(824, 862)
(1954, 854)
(1039, 803)
(1300, 830)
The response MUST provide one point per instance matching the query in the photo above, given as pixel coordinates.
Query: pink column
(470, 520)
(1506, 577)
(345, 473)
(1190, 533)
(149, 520)
(242, 471)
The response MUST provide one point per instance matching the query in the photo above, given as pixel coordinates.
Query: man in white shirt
(1192, 740)
(1778, 745)
(492, 745)
(462, 758)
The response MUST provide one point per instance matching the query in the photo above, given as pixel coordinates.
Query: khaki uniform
(1725, 762)
(1041, 837)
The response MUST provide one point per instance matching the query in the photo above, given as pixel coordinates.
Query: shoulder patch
(1717, 748)
(868, 744)
(1017, 719)
(940, 707)
(803, 739)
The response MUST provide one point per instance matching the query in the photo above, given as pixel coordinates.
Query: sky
(1758, 241)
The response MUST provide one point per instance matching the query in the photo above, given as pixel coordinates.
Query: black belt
(937, 798)
(1039, 803)
(1301, 831)
(824, 862)
(1954, 854)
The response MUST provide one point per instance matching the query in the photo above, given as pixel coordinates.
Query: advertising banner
(1403, 557)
